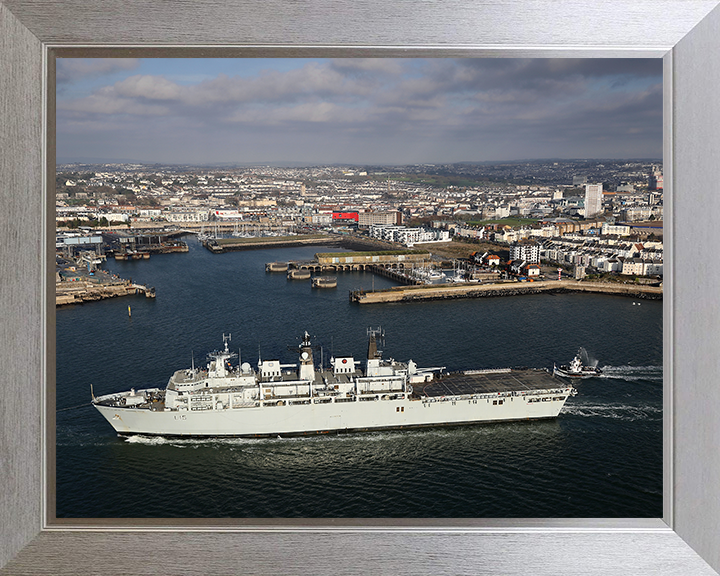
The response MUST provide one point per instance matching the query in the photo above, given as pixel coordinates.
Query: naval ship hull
(320, 415)
(298, 399)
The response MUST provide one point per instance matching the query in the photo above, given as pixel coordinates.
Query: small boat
(579, 367)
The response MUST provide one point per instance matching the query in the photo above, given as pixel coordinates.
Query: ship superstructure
(273, 399)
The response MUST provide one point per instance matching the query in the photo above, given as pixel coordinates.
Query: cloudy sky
(357, 111)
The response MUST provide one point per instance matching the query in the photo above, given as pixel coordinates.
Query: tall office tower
(593, 199)
(655, 180)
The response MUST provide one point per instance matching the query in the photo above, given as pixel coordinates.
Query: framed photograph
(685, 537)
(388, 128)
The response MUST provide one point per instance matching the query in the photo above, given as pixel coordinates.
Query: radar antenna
(306, 343)
(378, 333)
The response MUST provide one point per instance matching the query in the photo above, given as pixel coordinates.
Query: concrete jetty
(453, 291)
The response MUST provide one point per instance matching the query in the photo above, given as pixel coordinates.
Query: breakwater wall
(222, 245)
(349, 242)
(454, 291)
(80, 292)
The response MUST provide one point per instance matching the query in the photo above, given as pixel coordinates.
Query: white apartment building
(526, 251)
(593, 199)
(545, 232)
(149, 213)
(408, 236)
(468, 232)
(187, 216)
(614, 229)
(367, 219)
(113, 216)
(638, 213)
(612, 265)
(634, 267)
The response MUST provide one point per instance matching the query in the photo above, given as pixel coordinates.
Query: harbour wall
(81, 291)
(231, 244)
(349, 242)
(454, 291)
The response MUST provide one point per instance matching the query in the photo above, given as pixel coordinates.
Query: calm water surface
(602, 457)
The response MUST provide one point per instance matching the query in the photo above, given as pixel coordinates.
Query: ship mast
(307, 368)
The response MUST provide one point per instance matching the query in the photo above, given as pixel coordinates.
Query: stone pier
(453, 291)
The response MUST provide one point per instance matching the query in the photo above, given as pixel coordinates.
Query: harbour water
(602, 457)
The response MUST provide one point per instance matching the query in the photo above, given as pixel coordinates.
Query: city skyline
(357, 111)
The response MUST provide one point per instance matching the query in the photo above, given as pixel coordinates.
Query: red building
(344, 217)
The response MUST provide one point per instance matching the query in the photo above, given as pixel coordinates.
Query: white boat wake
(633, 373)
(615, 411)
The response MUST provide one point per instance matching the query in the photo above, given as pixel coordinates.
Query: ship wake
(616, 411)
(633, 373)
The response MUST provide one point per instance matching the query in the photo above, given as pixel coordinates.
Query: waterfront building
(634, 267)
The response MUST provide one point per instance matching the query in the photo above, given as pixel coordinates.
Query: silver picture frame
(685, 33)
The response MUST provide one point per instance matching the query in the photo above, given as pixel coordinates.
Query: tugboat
(576, 368)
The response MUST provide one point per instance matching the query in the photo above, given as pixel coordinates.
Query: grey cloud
(549, 68)
(109, 105)
(541, 75)
(467, 109)
(312, 82)
(147, 87)
(362, 66)
(71, 69)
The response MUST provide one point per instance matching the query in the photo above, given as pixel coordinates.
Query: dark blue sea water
(602, 457)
